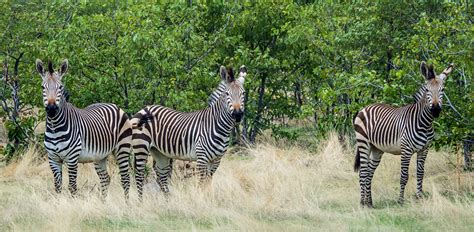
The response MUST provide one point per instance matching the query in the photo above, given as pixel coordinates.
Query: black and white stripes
(398, 130)
(82, 135)
(202, 136)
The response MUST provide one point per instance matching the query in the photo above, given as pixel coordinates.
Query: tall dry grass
(269, 187)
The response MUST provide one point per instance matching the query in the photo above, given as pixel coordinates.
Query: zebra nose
(51, 109)
(237, 114)
(435, 110)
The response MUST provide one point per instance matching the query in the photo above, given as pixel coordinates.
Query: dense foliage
(321, 61)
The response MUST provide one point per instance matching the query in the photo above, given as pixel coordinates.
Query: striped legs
(375, 157)
(420, 171)
(368, 164)
(406, 156)
(163, 167)
(141, 149)
(122, 156)
(72, 168)
(101, 169)
(214, 165)
(363, 153)
(56, 167)
(206, 168)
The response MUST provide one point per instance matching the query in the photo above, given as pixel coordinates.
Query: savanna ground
(269, 187)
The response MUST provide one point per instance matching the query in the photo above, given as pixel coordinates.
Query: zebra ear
(427, 71)
(223, 73)
(446, 72)
(242, 74)
(230, 75)
(64, 67)
(39, 67)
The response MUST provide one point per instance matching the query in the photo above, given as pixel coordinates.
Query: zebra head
(234, 91)
(53, 89)
(434, 87)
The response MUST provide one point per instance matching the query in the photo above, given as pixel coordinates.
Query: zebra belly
(190, 156)
(389, 148)
(90, 156)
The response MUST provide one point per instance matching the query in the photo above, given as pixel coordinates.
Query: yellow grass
(269, 187)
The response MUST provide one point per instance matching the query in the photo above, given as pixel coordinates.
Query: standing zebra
(398, 130)
(82, 135)
(201, 136)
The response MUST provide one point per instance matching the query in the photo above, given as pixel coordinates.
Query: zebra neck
(425, 115)
(58, 122)
(222, 115)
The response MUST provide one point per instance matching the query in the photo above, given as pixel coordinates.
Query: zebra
(201, 136)
(401, 131)
(86, 135)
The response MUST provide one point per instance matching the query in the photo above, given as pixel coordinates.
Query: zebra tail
(357, 161)
(141, 118)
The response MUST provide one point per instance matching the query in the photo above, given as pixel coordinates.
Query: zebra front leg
(163, 167)
(202, 165)
(72, 166)
(375, 157)
(101, 169)
(405, 163)
(56, 168)
(420, 171)
(214, 165)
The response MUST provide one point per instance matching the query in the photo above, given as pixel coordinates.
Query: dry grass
(268, 188)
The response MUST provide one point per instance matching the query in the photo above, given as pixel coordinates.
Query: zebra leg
(375, 157)
(72, 166)
(202, 165)
(363, 155)
(101, 169)
(122, 157)
(163, 167)
(405, 163)
(141, 149)
(420, 171)
(56, 167)
(214, 165)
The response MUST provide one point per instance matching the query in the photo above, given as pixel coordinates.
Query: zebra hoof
(369, 205)
(401, 201)
(422, 195)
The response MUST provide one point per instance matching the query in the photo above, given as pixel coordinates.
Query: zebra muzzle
(237, 115)
(51, 109)
(435, 110)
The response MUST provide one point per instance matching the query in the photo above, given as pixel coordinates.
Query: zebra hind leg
(375, 157)
(163, 167)
(140, 165)
(122, 156)
(361, 163)
(405, 163)
(56, 168)
(101, 169)
(420, 171)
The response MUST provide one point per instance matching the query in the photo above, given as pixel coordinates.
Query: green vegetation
(314, 61)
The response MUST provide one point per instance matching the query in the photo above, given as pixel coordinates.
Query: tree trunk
(261, 93)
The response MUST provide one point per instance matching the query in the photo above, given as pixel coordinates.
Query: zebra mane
(419, 94)
(50, 67)
(216, 93)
